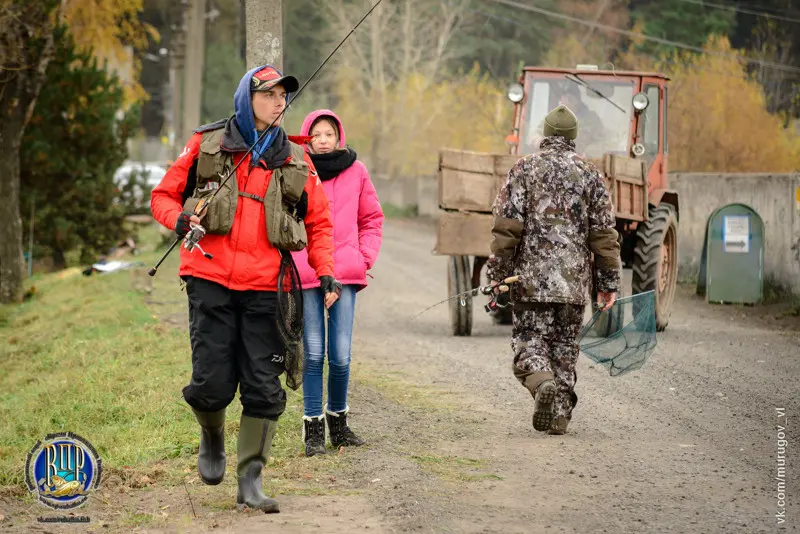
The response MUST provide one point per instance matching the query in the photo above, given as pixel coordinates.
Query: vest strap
(251, 195)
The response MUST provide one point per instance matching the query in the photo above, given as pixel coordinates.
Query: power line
(633, 34)
(656, 59)
(766, 9)
(740, 10)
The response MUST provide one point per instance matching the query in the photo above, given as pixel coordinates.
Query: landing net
(622, 338)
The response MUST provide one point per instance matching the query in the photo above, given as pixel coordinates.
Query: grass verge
(87, 354)
(400, 388)
(454, 468)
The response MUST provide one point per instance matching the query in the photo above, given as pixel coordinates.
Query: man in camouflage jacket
(551, 214)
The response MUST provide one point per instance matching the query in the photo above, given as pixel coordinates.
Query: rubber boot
(543, 406)
(340, 433)
(255, 443)
(314, 435)
(211, 456)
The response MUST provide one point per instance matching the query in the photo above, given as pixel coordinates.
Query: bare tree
(772, 42)
(26, 47)
(402, 39)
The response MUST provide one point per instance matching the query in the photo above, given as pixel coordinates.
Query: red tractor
(622, 128)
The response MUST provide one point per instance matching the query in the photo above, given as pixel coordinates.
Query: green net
(622, 338)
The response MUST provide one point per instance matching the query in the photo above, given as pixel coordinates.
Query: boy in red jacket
(233, 297)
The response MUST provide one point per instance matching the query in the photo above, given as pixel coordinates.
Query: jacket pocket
(287, 233)
(220, 213)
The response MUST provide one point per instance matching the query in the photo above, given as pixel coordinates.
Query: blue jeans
(340, 333)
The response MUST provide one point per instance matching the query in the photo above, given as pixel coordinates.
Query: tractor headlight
(640, 101)
(515, 93)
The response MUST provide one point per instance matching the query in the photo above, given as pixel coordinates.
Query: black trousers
(235, 342)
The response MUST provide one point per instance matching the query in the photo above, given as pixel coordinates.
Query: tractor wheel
(459, 280)
(655, 260)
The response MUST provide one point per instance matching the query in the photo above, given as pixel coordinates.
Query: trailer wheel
(459, 280)
(655, 265)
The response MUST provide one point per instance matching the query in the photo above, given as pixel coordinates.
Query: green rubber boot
(211, 456)
(255, 442)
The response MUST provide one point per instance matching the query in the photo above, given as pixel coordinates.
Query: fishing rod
(489, 289)
(197, 232)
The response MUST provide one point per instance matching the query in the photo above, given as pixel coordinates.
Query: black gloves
(503, 299)
(330, 285)
(182, 226)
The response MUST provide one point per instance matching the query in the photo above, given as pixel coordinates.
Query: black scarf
(332, 164)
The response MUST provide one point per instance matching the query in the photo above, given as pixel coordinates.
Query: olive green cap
(561, 121)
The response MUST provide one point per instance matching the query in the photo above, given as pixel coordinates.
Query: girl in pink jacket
(357, 232)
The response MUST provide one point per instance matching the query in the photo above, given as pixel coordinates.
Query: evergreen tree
(684, 22)
(221, 74)
(71, 148)
(501, 39)
(306, 34)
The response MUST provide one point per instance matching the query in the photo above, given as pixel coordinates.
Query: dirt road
(687, 444)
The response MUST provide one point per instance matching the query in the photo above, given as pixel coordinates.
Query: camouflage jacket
(551, 214)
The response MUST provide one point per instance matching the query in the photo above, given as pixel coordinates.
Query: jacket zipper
(235, 243)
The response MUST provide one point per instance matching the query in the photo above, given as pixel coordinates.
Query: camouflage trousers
(544, 341)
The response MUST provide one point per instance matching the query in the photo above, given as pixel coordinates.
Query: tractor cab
(620, 114)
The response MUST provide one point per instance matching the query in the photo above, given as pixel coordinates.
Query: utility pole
(177, 51)
(264, 32)
(193, 68)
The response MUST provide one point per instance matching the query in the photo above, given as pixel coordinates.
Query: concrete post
(177, 50)
(264, 34)
(193, 68)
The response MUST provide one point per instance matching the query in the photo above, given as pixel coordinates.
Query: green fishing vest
(285, 230)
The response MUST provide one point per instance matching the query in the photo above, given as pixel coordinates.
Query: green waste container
(732, 261)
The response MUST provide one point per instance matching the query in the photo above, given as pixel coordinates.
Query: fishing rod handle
(152, 272)
(502, 286)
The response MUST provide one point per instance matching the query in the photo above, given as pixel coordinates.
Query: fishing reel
(497, 301)
(192, 240)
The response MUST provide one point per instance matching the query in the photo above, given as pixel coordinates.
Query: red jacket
(243, 259)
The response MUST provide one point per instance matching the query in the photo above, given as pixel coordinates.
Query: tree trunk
(59, 260)
(11, 259)
(26, 65)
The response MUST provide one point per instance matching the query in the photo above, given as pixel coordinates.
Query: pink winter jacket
(357, 220)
